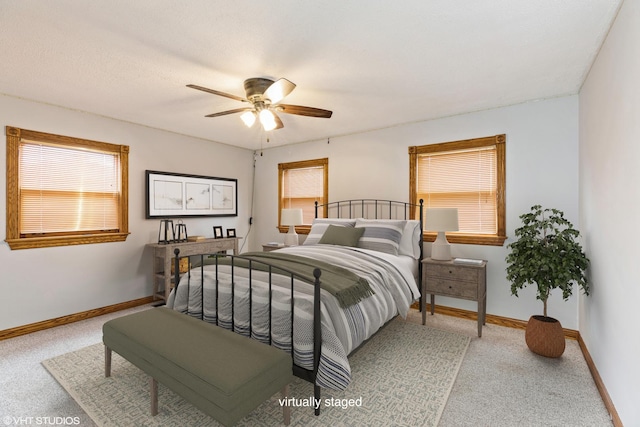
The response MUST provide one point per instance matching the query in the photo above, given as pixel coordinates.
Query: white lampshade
(267, 120)
(441, 220)
(249, 118)
(291, 217)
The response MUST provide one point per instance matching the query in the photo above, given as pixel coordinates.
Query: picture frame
(217, 232)
(176, 195)
(231, 232)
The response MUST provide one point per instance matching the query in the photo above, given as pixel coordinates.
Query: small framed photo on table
(231, 232)
(217, 232)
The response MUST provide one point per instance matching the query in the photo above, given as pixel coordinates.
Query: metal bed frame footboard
(356, 208)
(303, 373)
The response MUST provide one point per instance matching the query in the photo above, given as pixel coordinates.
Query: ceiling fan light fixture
(267, 120)
(249, 118)
(265, 95)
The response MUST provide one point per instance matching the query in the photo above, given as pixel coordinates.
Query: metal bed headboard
(374, 209)
(371, 209)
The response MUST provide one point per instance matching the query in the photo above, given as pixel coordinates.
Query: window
(64, 191)
(300, 185)
(468, 175)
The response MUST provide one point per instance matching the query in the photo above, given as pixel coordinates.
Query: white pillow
(410, 242)
(320, 225)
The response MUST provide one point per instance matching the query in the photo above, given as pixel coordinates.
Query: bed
(359, 267)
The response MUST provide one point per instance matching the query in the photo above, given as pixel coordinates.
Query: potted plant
(546, 253)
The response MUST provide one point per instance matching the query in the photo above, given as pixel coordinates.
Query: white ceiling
(375, 64)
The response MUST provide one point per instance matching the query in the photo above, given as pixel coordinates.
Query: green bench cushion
(223, 373)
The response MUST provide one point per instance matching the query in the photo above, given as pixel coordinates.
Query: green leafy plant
(547, 254)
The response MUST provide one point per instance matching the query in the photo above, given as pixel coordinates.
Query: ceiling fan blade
(278, 90)
(224, 113)
(279, 124)
(216, 92)
(304, 111)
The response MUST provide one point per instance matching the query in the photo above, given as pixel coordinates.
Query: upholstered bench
(222, 373)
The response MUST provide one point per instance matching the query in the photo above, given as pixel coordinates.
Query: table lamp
(441, 220)
(291, 217)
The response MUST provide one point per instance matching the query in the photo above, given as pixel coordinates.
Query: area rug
(401, 377)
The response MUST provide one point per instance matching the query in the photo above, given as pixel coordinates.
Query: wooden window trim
(462, 238)
(13, 239)
(324, 162)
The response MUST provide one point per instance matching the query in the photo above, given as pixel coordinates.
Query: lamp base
(441, 249)
(291, 238)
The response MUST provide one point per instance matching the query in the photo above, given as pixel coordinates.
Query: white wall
(41, 284)
(542, 167)
(610, 209)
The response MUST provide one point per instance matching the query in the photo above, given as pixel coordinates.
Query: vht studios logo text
(41, 421)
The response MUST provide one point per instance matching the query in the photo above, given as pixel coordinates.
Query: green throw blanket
(346, 286)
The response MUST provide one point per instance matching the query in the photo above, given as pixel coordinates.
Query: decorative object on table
(231, 232)
(291, 217)
(195, 238)
(180, 231)
(166, 233)
(547, 254)
(217, 232)
(174, 195)
(441, 220)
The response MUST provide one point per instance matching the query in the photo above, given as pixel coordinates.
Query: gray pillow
(320, 225)
(381, 235)
(343, 236)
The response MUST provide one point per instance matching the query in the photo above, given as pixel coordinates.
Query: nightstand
(268, 247)
(455, 280)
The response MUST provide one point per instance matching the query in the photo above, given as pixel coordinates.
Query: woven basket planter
(544, 336)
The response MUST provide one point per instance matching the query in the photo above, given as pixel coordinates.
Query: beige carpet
(402, 377)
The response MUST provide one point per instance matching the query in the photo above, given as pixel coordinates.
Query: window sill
(469, 239)
(47, 242)
(300, 229)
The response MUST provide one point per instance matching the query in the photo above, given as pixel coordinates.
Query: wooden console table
(163, 257)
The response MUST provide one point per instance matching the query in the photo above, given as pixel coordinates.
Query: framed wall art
(179, 195)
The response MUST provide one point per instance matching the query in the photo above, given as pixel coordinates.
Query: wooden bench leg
(154, 397)
(286, 409)
(107, 361)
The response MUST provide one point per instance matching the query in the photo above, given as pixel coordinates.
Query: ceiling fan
(265, 95)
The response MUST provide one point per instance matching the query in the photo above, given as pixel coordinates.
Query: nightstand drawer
(452, 272)
(452, 288)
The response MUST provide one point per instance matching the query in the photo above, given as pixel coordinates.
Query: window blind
(463, 179)
(64, 190)
(302, 187)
